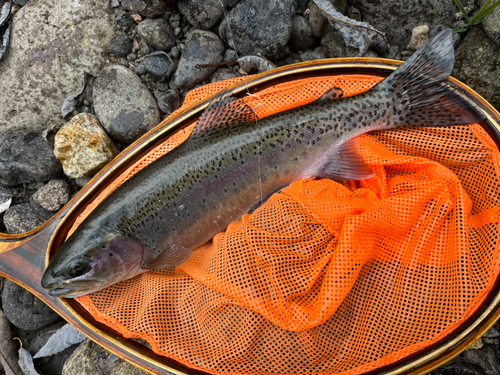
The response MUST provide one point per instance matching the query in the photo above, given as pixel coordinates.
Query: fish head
(82, 267)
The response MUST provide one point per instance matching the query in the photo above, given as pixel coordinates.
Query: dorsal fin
(223, 112)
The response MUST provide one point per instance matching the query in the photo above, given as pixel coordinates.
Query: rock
(491, 24)
(259, 26)
(125, 368)
(169, 102)
(123, 104)
(317, 54)
(24, 217)
(20, 3)
(476, 64)
(320, 26)
(175, 52)
(419, 36)
(120, 45)
(53, 196)
(90, 358)
(159, 65)
(125, 21)
(157, 33)
(147, 8)
(230, 55)
(52, 46)
(23, 309)
(397, 18)
(301, 37)
(202, 47)
(202, 14)
(484, 358)
(83, 147)
(333, 45)
(457, 367)
(26, 157)
(175, 20)
(476, 345)
(82, 181)
(222, 74)
(354, 13)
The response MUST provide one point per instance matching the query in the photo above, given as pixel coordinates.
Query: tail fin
(429, 100)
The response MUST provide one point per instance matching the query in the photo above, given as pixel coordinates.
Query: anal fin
(172, 256)
(347, 164)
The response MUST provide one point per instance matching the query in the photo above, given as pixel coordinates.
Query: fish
(233, 161)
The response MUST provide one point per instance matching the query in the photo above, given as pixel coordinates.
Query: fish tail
(421, 95)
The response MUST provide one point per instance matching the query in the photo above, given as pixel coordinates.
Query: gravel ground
(102, 74)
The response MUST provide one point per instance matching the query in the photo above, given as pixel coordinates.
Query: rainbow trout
(229, 163)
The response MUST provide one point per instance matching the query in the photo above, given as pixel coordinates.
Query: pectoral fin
(172, 256)
(347, 164)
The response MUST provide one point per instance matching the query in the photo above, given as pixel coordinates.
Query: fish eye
(78, 270)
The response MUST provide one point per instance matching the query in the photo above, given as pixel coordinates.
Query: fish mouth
(67, 292)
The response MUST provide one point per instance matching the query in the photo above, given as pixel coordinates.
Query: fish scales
(222, 171)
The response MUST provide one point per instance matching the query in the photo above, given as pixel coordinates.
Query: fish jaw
(104, 265)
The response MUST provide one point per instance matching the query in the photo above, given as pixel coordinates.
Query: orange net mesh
(328, 277)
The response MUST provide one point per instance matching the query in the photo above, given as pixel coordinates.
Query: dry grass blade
(8, 355)
(356, 34)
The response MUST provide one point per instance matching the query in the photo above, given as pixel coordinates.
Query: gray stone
(53, 196)
(169, 102)
(222, 74)
(202, 47)
(476, 64)
(491, 24)
(83, 147)
(484, 358)
(125, 21)
(202, 14)
(397, 18)
(259, 26)
(23, 309)
(82, 181)
(301, 37)
(317, 54)
(230, 55)
(320, 26)
(159, 65)
(20, 2)
(26, 157)
(120, 45)
(24, 217)
(333, 45)
(90, 358)
(457, 367)
(123, 104)
(52, 46)
(175, 20)
(157, 33)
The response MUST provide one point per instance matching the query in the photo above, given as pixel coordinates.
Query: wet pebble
(26, 157)
(120, 45)
(123, 104)
(201, 14)
(24, 217)
(83, 146)
(202, 47)
(125, 21)
(159, 65)
(23, 309)
(82, 181)
(90, 358)
(157, 33)
(222, 74)
(259, 26)
(333, 45)
(485, 358)
(20, 3)
(491, 24)
(53, 196)
(169, 102)
(301, 37)
(317, 54)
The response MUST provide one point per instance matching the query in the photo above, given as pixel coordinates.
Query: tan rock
(419, 36)
(83, 147)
